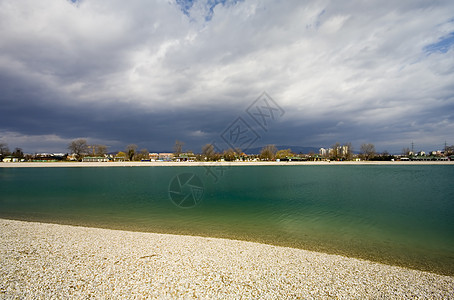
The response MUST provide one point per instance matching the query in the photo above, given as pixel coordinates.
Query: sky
(234, 73)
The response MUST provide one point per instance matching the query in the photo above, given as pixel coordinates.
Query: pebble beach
(42, 261)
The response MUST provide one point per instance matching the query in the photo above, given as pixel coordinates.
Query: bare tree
(229, 155)
(178, 148)
(368, 151)
(268, 152)
(18, 153)
(4, 150)
(449, 150)
(239, 153)
(79, 147)
(347, 151)
(208, 152)
(406, 151)
(336, 151)
(143, 154)
(131, 151)
(100, 150)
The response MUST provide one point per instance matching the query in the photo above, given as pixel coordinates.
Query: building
(52, 157)
(95, 159)
(165, 156)
(345, 150)
(153, 156)
(185, 157)
(12, 159)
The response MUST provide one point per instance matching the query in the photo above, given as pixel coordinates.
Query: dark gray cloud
(153, 72)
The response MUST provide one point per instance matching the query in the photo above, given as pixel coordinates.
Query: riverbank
(58, 261)
(194, 164)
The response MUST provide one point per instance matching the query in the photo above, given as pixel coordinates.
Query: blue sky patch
(186, 5)
(442, 45)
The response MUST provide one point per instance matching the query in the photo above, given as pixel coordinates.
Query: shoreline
(202, 164)
(51, 260)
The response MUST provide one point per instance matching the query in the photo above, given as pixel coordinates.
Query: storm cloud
(151, 72)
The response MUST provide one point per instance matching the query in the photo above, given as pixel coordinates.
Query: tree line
(80, 149)
(4, 152)
(271, 153)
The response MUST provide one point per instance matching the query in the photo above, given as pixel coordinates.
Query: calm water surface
(401, 215)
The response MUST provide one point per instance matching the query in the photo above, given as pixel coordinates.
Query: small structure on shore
(95, 159)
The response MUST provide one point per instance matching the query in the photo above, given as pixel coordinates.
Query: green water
(401, 215)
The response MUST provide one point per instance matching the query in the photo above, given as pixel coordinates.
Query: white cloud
(198, 133)
(360, 63)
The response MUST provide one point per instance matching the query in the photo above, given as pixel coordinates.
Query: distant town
(80, 150)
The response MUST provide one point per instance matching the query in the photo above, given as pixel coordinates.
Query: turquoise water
(402, 215)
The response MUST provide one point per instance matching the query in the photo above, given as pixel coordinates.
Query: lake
(400, 215)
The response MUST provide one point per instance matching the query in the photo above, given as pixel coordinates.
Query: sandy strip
(194, 164)
(41, 261)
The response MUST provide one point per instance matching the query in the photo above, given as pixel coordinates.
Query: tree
(79, 147)
(178, 148)
(347, 151)
(336, 154)
(268, 152)
(367, 151)
(229, 155)
(4, 150)
(449, 150)
(18, 153)
(143, 154)
(239, 153)
(284, 153)
(406, 151)
(120, 156)
(208, 152)
(100, 150)
(385, 156)
(131, 150)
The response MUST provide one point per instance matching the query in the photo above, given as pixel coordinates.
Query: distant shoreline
(201, 164)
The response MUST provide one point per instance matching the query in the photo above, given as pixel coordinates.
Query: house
(95, 159)
(153, 156)
(50, 157)
(12, 159)
(185, 157)
(165, 156)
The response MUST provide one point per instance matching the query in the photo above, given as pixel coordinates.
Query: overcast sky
(150, 72)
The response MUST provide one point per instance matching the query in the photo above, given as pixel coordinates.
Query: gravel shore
(41, 261)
